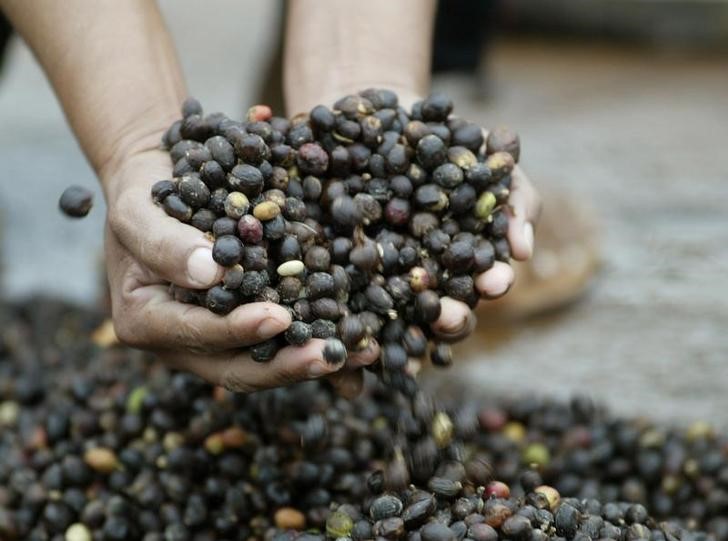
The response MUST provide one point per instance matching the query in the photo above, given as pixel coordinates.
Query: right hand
(146, 250)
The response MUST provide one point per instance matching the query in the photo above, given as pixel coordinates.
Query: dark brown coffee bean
(227, 250)
(250, 229)
(220, 300)
(436, 531)
(289, 289)
(322, 118)
(351, 330)
(191, 106)
(458, 256)
(436, 107)
(326, 308)
(312, 159)
(222, 152)
(503, 139)
(441, 354)
(317, 258)
(251, 148)
(427, 306)
(320, 284)
(176, 208)
(76, 201)
(365, 256)
(264, 351)
(298, 333)
(161, 189)
(469, 135)
(213, 175)
(417, 513)
(193, 191)
(394, 356)
(414, 341)
(203, 219)
(323, 328)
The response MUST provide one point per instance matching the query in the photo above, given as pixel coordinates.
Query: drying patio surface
(641, 138)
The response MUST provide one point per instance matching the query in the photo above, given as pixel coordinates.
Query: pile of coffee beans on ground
(101, 444)
(357, 218)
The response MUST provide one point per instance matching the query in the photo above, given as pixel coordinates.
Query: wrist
(133, 139)
(141, 160)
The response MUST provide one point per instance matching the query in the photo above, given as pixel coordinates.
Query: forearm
(113, 67)
(336, 47)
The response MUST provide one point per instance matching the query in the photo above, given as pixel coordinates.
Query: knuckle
(188, 332)
(457, 330)
(127, 333)
(231, 328)
(151, 247)
(235, 382)
(131, 323)
(190, 335)
(153, 251)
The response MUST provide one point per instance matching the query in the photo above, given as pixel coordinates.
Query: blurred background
(622, 108)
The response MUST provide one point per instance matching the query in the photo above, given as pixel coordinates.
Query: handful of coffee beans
(358, 219)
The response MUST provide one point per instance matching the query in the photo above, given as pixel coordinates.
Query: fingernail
(318, 369)
(201, 268)
(528, 235)
(499, 288)
(462, 329)
(497, 280)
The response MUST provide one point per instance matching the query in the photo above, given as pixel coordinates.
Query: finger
(525, 207)
(456, 321)
(239, 373)
(364, 357)
(347, 383)
(496, 281)
(149, 318)
(176, 252)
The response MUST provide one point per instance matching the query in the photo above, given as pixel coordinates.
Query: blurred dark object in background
(677, 24)
(462, 28)
(5, 32)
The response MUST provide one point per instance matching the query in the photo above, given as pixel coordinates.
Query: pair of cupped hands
(146, 250)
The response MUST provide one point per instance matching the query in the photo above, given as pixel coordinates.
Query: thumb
(176, 252)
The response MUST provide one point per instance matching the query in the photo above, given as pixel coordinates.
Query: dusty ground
(639, 135)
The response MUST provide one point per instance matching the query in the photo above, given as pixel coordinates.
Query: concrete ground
(639, 135)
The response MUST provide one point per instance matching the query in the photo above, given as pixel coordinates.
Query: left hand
(457, 320)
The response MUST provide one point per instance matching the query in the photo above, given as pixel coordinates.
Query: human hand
(146, 250)
(524, 207)
(457, 320)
